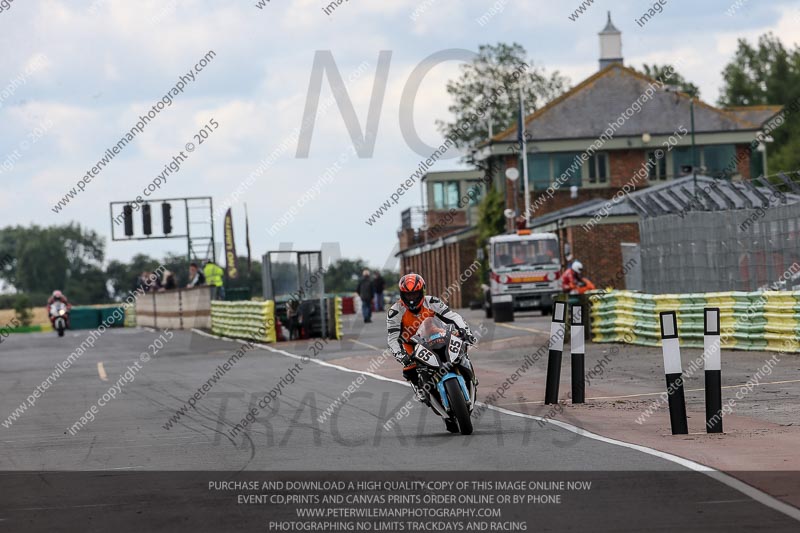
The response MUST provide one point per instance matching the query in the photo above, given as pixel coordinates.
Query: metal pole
(694, 151)
(211, 218)
(524, 155)
(188, 229)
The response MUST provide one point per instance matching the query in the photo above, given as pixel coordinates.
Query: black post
(578, 351)
(557, 330)
(713, 369)
(670, 346)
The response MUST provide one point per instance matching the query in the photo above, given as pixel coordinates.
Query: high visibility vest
(214, 274)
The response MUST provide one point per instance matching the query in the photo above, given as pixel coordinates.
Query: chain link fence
(713, 251)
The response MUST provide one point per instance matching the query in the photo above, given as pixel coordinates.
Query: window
(473, 192)
(539, 171)
(568, 165)
(657, 166)
(756, 164)
(719, 160)
(526, 252)
(445, 194)
(682, 157)
(598, 168)
(544, 169)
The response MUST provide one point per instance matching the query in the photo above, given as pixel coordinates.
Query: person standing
(366, 291)
(214, 277)
(380, 284)
(196, 278)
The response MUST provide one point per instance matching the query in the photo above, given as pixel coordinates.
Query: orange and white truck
(525, 271)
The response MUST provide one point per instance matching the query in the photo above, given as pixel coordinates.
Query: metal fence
(731, 250)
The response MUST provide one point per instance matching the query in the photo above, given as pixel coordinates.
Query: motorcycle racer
(58, 296)
(404, 318)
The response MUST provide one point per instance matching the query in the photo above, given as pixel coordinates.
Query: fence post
(557, 330)
(713, 369)
(577, 350)
(670, 346)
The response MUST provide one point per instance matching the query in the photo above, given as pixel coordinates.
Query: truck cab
(525, 270)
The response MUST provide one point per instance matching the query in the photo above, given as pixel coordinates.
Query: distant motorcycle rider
(58, 296)
(404, 318)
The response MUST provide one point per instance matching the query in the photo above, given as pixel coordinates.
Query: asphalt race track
(52, 481)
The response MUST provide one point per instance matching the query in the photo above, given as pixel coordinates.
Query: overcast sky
(75, 76)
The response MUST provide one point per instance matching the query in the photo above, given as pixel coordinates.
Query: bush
(22, 310)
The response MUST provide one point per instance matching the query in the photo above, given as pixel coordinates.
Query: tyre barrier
(765, 320)
(337, 317)
(244, 320)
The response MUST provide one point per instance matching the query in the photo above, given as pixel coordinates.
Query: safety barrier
(175, 309)
(244, 320)
(767, 320)
(337, 317)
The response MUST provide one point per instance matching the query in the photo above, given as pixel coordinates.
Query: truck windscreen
(530, 252)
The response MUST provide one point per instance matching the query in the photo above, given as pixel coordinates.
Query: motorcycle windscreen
(433, 332)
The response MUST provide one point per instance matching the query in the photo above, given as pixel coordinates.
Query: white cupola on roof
(610, 44)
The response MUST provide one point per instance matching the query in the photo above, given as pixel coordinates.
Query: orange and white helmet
(412, 291)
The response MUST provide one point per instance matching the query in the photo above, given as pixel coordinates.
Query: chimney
(610, 45)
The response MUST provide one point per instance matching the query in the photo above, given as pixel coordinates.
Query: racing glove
(468, 337)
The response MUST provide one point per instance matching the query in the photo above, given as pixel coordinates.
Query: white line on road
(101, 371)
(744, 488)
(533, 330)
(365, 344)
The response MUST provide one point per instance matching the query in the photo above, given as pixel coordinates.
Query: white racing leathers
(402, 324)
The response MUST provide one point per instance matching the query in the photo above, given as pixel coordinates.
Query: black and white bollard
(713, 367)
(670, 346)
(577, 350)
(557, 332)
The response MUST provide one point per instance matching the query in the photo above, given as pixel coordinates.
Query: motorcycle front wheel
(458, 404)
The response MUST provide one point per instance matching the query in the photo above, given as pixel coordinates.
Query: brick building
(615, 132)
(438, 240)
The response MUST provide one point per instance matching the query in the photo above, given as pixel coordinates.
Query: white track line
(750, 491)
(101, 371)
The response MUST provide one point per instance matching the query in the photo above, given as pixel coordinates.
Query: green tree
(491, 222)
(494, 69)
(124, 277)
(768, 74)
(41, 262)
(251, 280)
(342, 276)
(669, 76)
(22, 310)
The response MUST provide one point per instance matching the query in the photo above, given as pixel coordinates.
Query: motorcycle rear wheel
(458, 405)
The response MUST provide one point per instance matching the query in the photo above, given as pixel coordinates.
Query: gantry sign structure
(198, 218)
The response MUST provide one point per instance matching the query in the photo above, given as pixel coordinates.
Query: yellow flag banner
(230, 247)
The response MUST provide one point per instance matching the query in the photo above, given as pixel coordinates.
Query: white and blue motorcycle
(445, 372)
